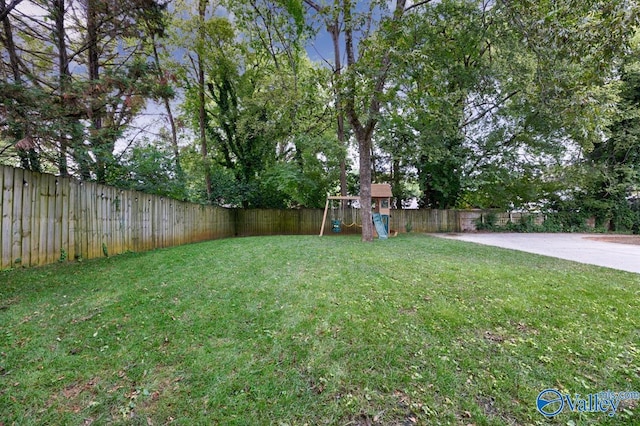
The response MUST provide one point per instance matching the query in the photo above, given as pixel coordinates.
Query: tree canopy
(273, 103)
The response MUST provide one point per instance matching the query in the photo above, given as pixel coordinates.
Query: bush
(487, 222)
(524, 224)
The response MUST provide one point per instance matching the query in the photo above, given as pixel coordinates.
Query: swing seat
(336, 226)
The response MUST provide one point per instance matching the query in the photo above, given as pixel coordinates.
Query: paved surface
(576, 247)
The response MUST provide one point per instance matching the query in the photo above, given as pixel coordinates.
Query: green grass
(308, 330)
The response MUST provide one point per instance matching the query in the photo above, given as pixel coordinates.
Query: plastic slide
(380, 228)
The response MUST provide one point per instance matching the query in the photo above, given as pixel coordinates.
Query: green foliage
(77, 114)
(444, 61)
(525, 224)
(563, 221)
(309, 172)
(492, 100)
(265, 112)
(487, 222)
(606, 182)
(149, 168)
(475, 104)
(408, 227)
(227, 191)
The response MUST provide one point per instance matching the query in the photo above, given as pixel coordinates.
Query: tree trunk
(63, 80)
(11, 47)
(202, 7)
(334, 30)
(363, 134)
(29, 157)
(94, 76)
(5, 10)
(167, 106)
(346, 101)
(396, 183)
(364, 146)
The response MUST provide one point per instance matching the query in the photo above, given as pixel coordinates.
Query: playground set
(344, 211)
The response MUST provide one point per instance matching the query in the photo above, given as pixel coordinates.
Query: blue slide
(380, 228)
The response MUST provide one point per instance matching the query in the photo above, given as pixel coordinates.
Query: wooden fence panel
(93, 222)
(27, 223)
(4, 200)
(134, 224)
(33, 182)
(72, 191)
(143, 205)
(7, 217)
(59, 221)
(42, 214)
(82, 239)
(16, 222)
(65, 205)
(50, 234)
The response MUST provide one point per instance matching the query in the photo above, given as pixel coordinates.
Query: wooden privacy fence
(308, 221)
(256, 222)
(45, 218)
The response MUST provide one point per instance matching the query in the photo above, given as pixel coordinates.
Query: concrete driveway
(583, 248)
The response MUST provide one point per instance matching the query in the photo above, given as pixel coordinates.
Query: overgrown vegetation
(308, 330)
(459, 103)
(564, 221)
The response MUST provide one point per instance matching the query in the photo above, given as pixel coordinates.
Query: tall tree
(166, 94)
(119, 76)
(105, 38)
(262, 100)
(202, 119)
(333, 24)
(486, 87)
(370, 35)
(610, 187)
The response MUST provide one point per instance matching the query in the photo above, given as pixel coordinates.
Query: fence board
(51, 219)
(72, 190)
(82, 239)
(16, 220)
(58, 224)
(34, 182)
(27, 205)
(135, 223)
(5, 198)
(94, 222)
(103, 220)
(88, 222)
(1, 221)
(42, 213)
(127, 220)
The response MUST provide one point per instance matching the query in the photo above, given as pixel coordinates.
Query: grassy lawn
(308, 330)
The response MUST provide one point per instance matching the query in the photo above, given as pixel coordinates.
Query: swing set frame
(326, 207)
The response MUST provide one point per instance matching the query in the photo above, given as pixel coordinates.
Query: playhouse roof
(380, 190)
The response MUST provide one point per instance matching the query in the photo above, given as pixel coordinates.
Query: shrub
(487, 222)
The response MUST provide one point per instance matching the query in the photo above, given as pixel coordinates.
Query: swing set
(347, 216)
(342, 215)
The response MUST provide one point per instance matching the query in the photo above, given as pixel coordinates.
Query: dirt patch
(8, 302)
(72, 398)
(620, 239)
